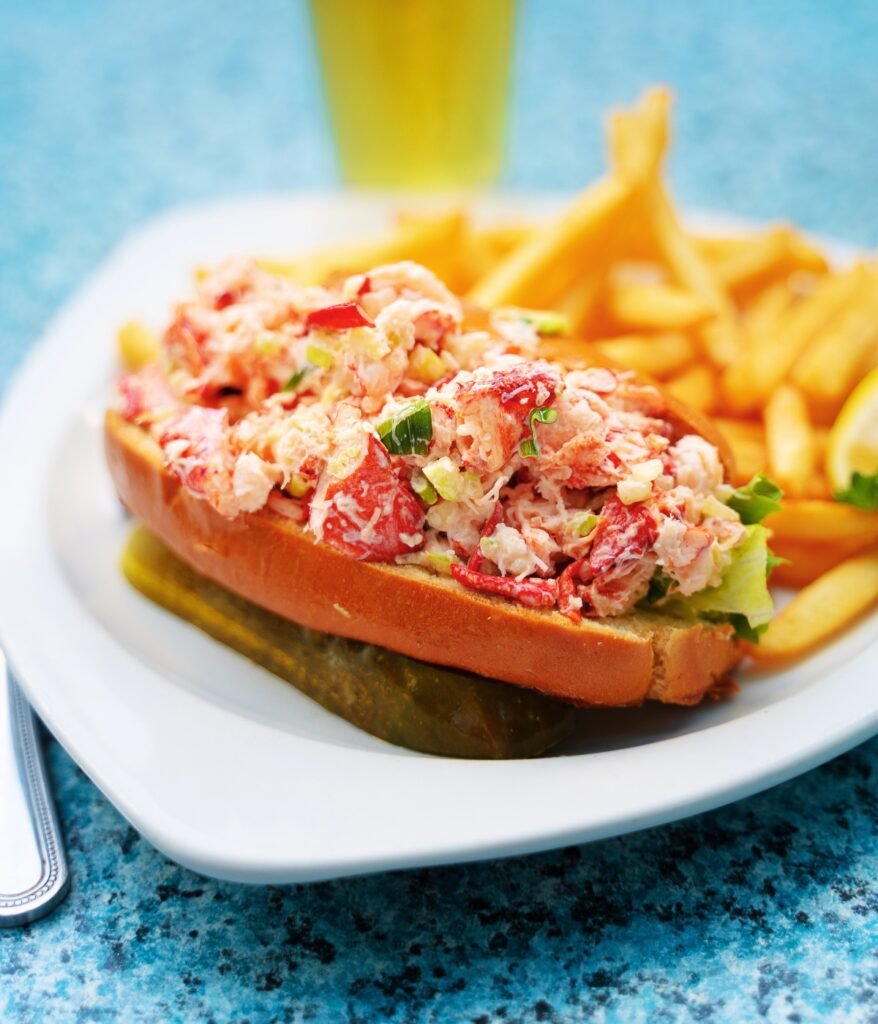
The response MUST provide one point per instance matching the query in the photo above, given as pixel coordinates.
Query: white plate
(234, 773)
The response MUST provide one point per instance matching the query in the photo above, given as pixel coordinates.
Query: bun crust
(273, 562)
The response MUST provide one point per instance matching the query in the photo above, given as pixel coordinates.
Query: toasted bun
(275, 563)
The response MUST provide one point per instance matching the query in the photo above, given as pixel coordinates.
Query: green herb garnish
(529, 448)
(862, 491)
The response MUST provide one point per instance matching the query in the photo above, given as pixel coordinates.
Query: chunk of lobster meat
(145, 396)
(569, 600)
(493, 407)
(617, 591)
(372, 513)
(372, 380)
(696, 464)
(404, 280)
(641, 398)
(624, 535)
(534, 593)
(196, 449)
(596, 379)
(287, 507)
(685, 553)
(493, 520)
(586, 460)
(229, 297)
(620, 562)
(433, 326)
(185, 343)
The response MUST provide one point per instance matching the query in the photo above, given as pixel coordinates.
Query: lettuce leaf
(742, 597)
(756, 500)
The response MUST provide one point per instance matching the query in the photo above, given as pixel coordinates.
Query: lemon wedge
(852, 444)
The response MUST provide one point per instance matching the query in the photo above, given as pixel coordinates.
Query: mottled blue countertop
(768, 909)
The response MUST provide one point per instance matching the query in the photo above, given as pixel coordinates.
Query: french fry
(749, 381)
(822, 609)
(638, 137)
(657, 356)
(818, 487)
(716, 248)
(747, 441)
(655, 307)
(805, 255)
(801, 253)
(772, 255)
(823, 521)
(499, 236)
(821, 436)
(479, 248)
(765, 312)
(806, 560)
(689, 269)
(790, 441)
(433, 241)
(504, 236)
(578, 303)
(539, 270)
(137, 345)
(830, 366)
(766, 257)
(695, 387)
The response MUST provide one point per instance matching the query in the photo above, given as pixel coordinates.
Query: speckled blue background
(112, 111)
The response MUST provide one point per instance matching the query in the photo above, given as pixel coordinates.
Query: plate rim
(188, 847)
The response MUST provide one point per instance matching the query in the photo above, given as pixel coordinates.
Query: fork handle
(33, 869)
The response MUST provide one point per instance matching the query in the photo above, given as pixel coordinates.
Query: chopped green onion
(446, 478)
(583, 524)
(319, 357)
(409, 431)
(756, 500)
(546, 322)
(450, 482)
(441, 563)
(297, 378)
(529, 448)
(424, 489)
(268, 344)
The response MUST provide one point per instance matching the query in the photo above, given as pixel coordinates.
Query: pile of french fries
(755, 329)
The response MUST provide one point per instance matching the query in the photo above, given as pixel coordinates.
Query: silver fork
(33, 868)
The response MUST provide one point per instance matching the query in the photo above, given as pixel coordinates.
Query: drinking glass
(417, 89)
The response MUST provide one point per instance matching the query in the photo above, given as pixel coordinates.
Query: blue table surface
(768, 909)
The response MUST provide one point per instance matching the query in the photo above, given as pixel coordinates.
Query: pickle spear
(407, 702)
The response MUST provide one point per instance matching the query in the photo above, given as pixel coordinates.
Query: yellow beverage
(416, 88)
